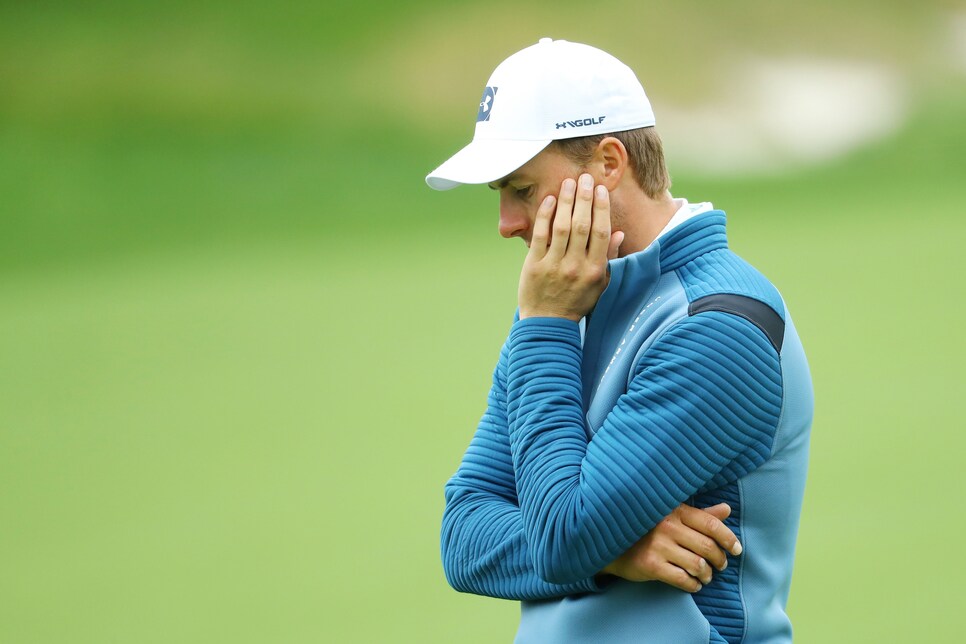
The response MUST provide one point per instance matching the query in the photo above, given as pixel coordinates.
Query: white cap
(552, 90)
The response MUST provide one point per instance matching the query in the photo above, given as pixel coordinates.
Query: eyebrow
(502, 183)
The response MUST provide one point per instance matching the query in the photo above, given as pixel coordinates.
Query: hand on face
(566, 271)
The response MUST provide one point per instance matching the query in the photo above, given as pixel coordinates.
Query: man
(650, 372)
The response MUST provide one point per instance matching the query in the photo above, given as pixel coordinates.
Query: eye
(523, 193)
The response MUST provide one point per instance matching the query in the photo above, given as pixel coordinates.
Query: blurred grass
(244, 346)
(125, 127)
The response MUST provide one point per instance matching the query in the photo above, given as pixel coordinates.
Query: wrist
(537, 313)
(544, 328)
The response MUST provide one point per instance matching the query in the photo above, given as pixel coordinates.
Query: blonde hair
(644, 150)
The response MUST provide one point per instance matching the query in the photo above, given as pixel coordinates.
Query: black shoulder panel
(758, 313)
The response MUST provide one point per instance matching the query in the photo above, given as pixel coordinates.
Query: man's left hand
(566, 271)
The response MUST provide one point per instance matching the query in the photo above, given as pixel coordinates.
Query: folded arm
(483, 540)
(701, 409)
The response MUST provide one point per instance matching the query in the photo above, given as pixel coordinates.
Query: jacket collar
(697, 236)
(634, 277)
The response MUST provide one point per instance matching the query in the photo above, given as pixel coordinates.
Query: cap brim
(483, 161)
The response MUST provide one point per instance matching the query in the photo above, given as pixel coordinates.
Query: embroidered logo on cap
(581, 122)
(486, 104)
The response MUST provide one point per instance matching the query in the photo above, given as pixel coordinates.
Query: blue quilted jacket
(687, 383)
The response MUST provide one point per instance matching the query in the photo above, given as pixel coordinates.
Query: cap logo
(580, 122)
(486, 104)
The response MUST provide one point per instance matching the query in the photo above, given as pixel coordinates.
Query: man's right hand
(681, 549)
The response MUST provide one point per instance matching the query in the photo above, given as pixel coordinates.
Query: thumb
(616, 239)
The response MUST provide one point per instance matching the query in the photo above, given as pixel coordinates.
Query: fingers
(702, 547)
(721, 511)
(695, 543)
(582, 221)
(683, 550)
(584, 206)
(709, 525)
(541, 227)
(562, 219)
(616, 239)
(560, 277)
(600, 237)
(675, 576)
(694, 565)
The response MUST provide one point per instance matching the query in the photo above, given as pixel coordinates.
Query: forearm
(585, 502)
(483, 544)
(485, 550)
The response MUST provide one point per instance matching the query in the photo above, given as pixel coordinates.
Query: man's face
(522, 191)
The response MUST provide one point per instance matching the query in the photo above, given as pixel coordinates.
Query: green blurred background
(243, 345)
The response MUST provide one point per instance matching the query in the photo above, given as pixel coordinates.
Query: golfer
(638, 473)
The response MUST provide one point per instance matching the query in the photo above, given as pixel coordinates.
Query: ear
(611, 162)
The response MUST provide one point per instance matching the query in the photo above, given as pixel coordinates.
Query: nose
(513, 219)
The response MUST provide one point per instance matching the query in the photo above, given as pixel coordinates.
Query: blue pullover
(688, 384)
